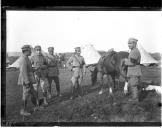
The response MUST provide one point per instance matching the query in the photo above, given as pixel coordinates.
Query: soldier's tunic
(134, 72)
(40, 74)
(52, 66)
(53, 72)
(26, 77)
(76, 64)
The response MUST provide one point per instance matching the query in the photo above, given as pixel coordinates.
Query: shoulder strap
(77, 59)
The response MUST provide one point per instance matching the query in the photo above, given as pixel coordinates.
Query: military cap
(37, 47)
(77, 48)
(26, 47)
(133, 39)
(50, 48)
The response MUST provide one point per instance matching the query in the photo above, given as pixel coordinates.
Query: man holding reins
(134, 71)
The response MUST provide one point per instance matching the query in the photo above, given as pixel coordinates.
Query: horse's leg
(109, 83)
(93, 76)
(100, 78)
(113, 83)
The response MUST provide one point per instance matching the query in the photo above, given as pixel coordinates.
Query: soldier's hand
(27, 85)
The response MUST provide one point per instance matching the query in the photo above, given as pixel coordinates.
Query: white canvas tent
(90, 54)
(146, 58)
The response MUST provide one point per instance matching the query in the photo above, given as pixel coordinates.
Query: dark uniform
(53, 71)
(26, 79)
(76, 63)
(134, 71)
(39, 62)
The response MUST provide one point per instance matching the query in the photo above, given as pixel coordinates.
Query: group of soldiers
(40, 71)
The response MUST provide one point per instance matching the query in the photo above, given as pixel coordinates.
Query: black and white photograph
(83, 68)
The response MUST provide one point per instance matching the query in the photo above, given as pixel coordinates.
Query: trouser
(133, 83)
(76, 80)
(27, 90)
(56, 80)
(43, 84)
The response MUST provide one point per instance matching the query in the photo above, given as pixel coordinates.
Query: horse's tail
(94, 76)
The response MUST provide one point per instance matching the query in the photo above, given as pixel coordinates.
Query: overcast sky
(67, 29)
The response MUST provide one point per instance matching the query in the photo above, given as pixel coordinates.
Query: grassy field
(91, 107)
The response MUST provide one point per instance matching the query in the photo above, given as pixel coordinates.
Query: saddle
(109, 54)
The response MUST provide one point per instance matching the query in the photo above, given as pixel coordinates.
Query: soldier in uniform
(134, 71)
(53, 71)
(76, 64)
(39, 62)
(26, 79)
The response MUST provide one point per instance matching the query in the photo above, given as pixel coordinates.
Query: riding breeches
(43, 83)
(56, 80)
(133, 83)
(27, 91)
(77, 76)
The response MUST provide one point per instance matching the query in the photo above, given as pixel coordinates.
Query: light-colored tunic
(26, 75)
(134, 69)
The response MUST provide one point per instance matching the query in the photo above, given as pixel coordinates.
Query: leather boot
(73, 93)
(134, 94)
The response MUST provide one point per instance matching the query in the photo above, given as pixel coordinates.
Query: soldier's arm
(52, 63)
(69, 63)
(24, 72)
(45, 63)
(128, 62)
(134, 61)
(32, 61)
(133, 58)
(84, 66)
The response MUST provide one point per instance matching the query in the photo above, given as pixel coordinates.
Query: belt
(52, 66)
(76, 67)
(133, 65)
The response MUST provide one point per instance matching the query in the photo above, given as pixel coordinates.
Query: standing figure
(76, 64)
(53, 71)
(134, 70)
(39, 62)
(26, 79)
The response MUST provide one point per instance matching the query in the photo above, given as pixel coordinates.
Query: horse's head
(120, 64)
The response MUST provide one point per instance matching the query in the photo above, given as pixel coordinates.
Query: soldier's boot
(58, 89)
(134, 94)
(23, 111)
(73, 93)
(79, 91)
(35, 101)
(49, 93)
(45, 98)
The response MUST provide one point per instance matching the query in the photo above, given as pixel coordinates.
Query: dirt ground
(91, 107)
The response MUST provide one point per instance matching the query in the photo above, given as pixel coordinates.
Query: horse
(111, 65)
